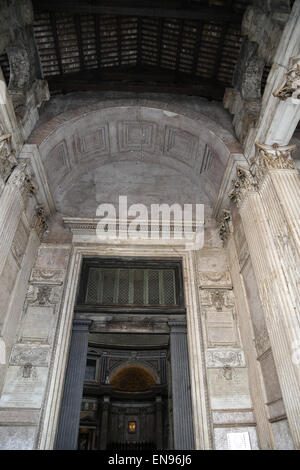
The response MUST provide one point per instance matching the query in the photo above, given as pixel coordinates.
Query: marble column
(181, 387)
(159, 423)
(70, 408)
(7, 157)
(104, 422)
(278, 183)
(280, 111)
(275, 167)
(12, 202)
(8, 119)
(247, 334)
(274, 258)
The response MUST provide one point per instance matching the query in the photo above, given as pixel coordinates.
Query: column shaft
(181, 388)
(159, 423)
(70, 409)
(11, 206)
(246, 328)
(282, 320)
(287, 186)
(104, 422)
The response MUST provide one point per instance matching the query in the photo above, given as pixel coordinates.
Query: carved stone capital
(225, 226)
(7, 157)
(242, 185)
(23, 179)
(290, 87)
(271, 158)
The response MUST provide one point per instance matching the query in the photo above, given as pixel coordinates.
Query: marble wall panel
(17, 437)
(24, 387)
(221, 437)
(282, 435)
(228, 388)
(37, 324)
(225, 357)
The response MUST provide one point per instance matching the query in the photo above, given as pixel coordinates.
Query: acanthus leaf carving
(290, 87)
(268, 157)
(7, 156)
(225, 226)
(273, 157)
(22, 178)
(242, 185)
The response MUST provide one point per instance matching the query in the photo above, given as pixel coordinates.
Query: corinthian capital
(23, 179)
(242, 185)
(273, 157)
(290, 88)
(7, 158)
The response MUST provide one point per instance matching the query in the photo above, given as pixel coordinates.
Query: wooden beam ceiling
(56, 42)
(191, 11)
(136, 79)
(161, 46)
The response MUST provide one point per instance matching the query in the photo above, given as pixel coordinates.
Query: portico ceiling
(188, 47)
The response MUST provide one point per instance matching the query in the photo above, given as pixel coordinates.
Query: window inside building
(131, 283)
(131, 286)
(90, 371)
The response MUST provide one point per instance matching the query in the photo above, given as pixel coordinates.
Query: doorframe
(199, 393)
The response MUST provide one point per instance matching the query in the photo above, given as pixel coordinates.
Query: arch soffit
(134, 363)
(63, 142)
(222, 142)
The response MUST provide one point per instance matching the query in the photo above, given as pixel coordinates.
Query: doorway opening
(126, 401)
(133, 387)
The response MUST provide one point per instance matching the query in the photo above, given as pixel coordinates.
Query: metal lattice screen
(131, 286)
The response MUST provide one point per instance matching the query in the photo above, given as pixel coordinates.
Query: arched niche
(150, 151)
(134, 378)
